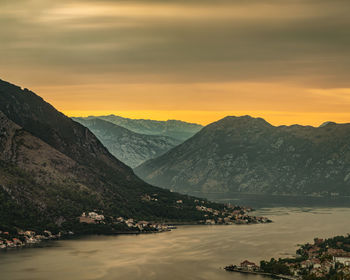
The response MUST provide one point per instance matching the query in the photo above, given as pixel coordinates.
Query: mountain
(130, 147)
(249, 155)
(172, 128)
(52, 169)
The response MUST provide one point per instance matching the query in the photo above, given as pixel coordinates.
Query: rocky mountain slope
(52, 169)
(130, 147)
(245, 154)
(172, 128)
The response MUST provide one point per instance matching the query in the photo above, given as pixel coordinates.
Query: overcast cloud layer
(181, 40)
(299, 42)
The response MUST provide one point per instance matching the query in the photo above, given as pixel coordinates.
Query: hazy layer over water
(190, 252)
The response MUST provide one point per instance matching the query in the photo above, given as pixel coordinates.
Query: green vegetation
(53, 169)
(275, 267)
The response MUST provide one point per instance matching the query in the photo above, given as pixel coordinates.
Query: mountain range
(130, 147)
(249, 155)
(171, 128)
(52, 169)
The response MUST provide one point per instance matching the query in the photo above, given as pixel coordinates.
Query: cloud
(182, 40)
(226, 45)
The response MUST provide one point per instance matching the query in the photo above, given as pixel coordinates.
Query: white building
(96, 217)
(343, 260)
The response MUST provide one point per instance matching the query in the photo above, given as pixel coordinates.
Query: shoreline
(42, 242)
(171, 226)
(271, 275)
(46, 242)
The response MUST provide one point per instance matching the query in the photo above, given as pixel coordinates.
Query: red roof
(246, 263)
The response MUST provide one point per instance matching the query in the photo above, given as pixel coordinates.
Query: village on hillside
(230, 215)
(227, 215)
(27, 238)
(327, 259)
(95, 222)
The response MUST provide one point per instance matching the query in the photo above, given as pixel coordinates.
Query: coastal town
(138, 226)
(227, 215)
(230, 215)
(324, 259)
(95, 222)
(31, 238)
(27, 238)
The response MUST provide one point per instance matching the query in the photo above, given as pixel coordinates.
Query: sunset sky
(287, 61)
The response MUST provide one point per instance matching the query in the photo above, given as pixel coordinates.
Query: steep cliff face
(52, 169)
(36, 180)
(244, 154)
(42, 120)
(130, 147)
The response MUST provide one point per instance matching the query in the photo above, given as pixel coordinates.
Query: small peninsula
(325, 259)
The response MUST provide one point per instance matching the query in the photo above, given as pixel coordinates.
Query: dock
(271, 275)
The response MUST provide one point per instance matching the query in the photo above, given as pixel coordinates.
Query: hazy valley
(171, 128)
(130, 147)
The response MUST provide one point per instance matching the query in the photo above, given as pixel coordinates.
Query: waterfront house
(249, 265)
(129, 224)
(17, 242)
(210, 222)
(29, 233)
(9, 243)
(96, 217)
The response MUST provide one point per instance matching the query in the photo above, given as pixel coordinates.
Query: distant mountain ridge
(249, 155)
(172, 128)
(130, 147)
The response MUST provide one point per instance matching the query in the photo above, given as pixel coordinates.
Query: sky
(287, 61)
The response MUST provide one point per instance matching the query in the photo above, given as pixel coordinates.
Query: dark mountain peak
(328, 123)
(248, 120)
(246, 154)
(241, 123)
(42, 120)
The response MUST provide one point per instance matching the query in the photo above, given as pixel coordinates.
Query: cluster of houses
(25, 238)
(230, 215)
(95, 218)
(319, 260)
(144, 225)
(92, 218)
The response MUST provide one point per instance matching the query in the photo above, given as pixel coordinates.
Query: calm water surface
(190, 252)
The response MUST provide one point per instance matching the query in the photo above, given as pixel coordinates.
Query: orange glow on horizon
(203, 103)
(207, 117)
(196, 61)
